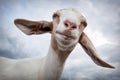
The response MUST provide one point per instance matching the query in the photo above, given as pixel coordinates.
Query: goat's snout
(67, 32)
(69, 25)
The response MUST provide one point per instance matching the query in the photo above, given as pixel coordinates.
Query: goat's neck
(55, 62)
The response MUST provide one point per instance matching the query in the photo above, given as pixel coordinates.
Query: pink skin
(69, 27)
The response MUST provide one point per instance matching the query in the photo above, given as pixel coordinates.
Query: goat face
(68, 25)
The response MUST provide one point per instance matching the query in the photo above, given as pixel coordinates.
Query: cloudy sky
(103, 17)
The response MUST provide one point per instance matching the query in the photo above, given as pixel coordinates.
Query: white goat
(66, 31)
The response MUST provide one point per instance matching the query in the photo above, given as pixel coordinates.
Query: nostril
(74, 27)
(66, 24)
(70, 25)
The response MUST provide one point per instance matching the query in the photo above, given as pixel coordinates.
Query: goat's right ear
(91, 51)
(33, 27)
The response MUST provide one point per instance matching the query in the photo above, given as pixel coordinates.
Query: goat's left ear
(91, 51)
(33, 27)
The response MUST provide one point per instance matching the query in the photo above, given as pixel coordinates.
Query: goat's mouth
(65, 35)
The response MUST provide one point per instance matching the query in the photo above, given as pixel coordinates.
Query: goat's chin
(66, 42)
(66, 45)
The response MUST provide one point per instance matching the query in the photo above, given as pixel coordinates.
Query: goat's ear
(91, 51)
(33, 27)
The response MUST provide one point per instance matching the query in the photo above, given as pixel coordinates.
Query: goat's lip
(66, 36)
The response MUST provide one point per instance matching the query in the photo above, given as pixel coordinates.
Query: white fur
(48, 68)
(51, 66)
(72, 16)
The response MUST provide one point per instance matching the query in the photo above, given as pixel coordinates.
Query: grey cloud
(102, 16)
(89, 71)
(9, 54)
(107, 17)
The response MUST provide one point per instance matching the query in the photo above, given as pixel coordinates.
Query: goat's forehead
(70, 14)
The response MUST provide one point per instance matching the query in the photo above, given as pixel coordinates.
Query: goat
(66, 31)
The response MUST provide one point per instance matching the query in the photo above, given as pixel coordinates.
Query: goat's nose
(70, 25)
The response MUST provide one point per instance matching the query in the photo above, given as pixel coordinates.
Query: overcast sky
(103, 17)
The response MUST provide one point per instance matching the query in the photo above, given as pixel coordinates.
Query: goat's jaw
(65, 41)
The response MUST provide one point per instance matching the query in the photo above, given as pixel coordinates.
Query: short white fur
(51, 66)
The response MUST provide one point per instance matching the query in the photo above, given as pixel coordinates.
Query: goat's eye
(55, 15)
(84, 24)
